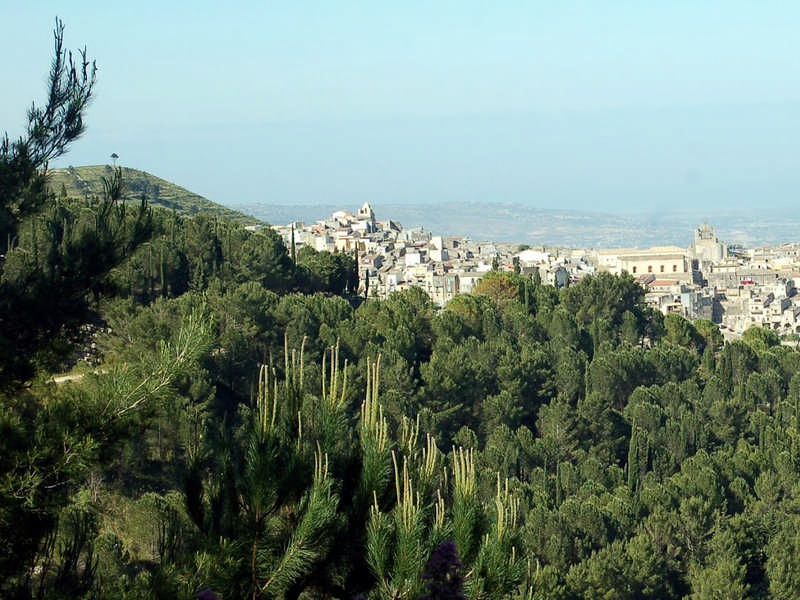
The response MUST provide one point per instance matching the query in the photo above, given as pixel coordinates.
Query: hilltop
(87, 181)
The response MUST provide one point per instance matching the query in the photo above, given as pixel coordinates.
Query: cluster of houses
(730, 285)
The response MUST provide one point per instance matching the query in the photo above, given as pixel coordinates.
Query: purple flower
(443, 574)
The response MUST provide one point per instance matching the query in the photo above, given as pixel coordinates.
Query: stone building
(661, 261)
(706, 246)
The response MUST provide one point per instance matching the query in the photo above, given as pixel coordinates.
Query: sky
(618, 106)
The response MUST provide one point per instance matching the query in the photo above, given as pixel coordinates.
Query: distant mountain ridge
(510, 222)
(87, 181)
(495, 221)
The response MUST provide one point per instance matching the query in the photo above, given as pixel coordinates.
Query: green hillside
(87, 181)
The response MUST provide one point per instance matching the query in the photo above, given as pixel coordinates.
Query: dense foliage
(235, 419)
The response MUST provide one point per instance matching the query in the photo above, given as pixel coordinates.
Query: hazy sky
(601, 104)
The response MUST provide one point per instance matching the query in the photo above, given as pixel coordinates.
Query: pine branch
(173, 358)
(307, 542)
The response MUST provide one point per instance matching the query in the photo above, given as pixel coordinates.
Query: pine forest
(193, 410)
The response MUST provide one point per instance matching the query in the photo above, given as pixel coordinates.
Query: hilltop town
(728, 284)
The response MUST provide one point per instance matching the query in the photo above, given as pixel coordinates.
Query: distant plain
(509, 222)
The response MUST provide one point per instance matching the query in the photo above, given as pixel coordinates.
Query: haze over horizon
(617, 109)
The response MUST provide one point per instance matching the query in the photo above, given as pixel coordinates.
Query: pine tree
(54, 254)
